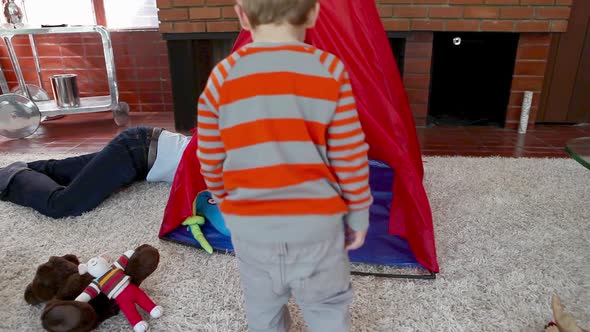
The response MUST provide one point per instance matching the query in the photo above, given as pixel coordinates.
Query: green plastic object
(194, 224)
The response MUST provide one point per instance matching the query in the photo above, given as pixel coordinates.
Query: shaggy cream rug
(510, 232)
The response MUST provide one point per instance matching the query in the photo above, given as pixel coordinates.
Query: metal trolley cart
(21, 113)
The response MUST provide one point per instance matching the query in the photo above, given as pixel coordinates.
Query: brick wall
(529, 75)
(141, 60)
(397, 15)
(475, 15)
(536, 20)
(417, 65)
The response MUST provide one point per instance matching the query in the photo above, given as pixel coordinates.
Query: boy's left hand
(354, 239)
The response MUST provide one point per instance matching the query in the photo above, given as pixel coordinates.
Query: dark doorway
(567, 85)
(471, 78)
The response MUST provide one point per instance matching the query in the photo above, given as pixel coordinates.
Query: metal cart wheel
(19, 116)
(37, 93)
(121, 114)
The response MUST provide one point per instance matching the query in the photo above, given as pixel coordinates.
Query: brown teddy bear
(57, 283)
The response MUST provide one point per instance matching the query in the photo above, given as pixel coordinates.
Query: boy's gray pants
(316, 274)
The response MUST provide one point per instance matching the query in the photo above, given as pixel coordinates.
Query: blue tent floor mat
(380, 247)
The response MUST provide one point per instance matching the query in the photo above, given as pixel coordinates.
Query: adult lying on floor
(72, 186)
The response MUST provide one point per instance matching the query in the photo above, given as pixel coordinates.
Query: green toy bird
(194, 224)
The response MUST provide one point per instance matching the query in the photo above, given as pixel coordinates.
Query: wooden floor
(90, 132)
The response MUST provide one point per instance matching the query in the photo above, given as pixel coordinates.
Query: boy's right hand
(355, 239)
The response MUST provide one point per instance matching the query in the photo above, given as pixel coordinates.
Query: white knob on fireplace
(457, 41)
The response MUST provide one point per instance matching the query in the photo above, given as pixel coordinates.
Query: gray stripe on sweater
(210, 156)
(354, 163)
(349, 175)
(365, 194)
(272, 154)
(209, 133)
(213, 91)
(346, 101)
(208, 120)
(345, 128)
(318, 189)
(210, 145)
(276, 107)
(344, 154)
(291, 229)
(278, 61)
(346, 141)
(354, 186)
(338, 70)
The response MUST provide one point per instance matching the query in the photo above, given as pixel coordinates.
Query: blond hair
(294, 12)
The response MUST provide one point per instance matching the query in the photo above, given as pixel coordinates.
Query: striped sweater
(111, 283)
(281, 146)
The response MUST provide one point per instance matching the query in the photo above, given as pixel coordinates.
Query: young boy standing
(283, 152)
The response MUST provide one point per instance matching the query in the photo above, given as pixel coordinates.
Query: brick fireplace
(209, 22)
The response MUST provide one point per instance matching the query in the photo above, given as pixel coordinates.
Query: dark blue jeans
(70, 187)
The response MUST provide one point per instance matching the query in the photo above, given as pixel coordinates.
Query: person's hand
(355, 239)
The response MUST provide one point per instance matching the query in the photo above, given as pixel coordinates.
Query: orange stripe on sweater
(347, 94)
(272, 177)
(361, 201)
(241, 52)
(220, 187)
(356, 192)
(215, 81)
(284, 83)
(346, 134)
(327, 206)
(211, 99)
(356, 179)
(104, 279)
(273, 130)
(211, 179)
(346, 108)
(214, 139)
(206, 114)
(231, 61)
(222, 71)
(352, 157)
(333, 66)
(217, 172)
(211, 126)
(344, 122)
(209, 162)
(211, 150)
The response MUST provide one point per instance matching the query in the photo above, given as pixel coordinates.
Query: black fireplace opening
(192, 56)
(471, 78)
(398, 47)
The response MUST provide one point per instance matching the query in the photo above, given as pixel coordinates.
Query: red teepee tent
(352, 30)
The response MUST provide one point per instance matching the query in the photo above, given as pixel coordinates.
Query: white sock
(156, 312)
(141, 327)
